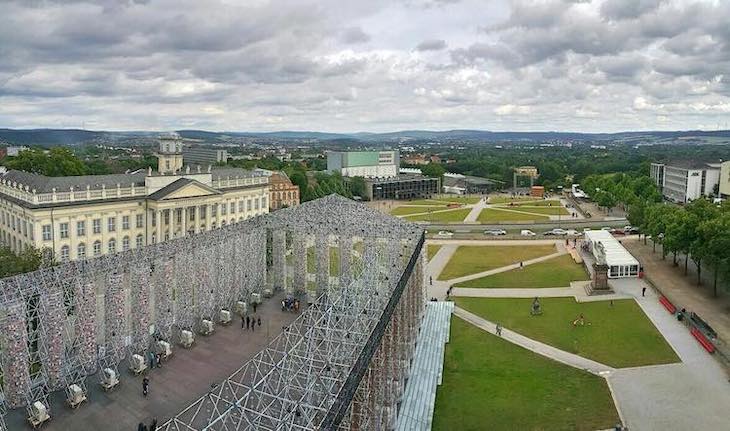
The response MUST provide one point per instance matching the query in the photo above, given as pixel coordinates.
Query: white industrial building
(366, 164)
(606, 249)
(685, 181)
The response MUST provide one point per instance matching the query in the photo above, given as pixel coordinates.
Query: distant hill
(71, 137)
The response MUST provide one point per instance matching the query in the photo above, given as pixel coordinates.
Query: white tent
(620, 262)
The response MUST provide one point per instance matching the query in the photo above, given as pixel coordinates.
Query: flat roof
(616, 254)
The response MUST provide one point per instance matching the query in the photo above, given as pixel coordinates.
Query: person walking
(643, 291)
(430, 280)
(145, 386)
(498, 329)
(258, 321)
(253, 324)
(243, 322)
(520, 264)
(141, 427)
(158, 360)
(248, 322)
(254, 308)
(153, 425)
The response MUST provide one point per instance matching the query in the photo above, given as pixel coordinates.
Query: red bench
(668, 305)
(702, 340)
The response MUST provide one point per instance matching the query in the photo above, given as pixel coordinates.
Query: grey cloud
(431, 45)
(354, 35)
(624, 9)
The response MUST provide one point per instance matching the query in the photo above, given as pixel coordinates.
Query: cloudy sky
(354, 65)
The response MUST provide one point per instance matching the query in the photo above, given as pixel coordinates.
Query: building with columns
(88, 216)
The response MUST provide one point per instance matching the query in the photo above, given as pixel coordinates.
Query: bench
(667, 304)
(700, 337)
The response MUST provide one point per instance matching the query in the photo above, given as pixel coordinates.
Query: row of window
(111, 226)
(16, 224)
(96, 248)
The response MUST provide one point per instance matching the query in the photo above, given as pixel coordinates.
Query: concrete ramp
(416, 410)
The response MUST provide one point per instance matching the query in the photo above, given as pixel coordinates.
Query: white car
(527, 232)
(586, 229)
(556, 232)
(495, 232)
(572, 232)
(446, 233)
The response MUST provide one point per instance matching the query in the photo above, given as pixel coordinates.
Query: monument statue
(536, 308)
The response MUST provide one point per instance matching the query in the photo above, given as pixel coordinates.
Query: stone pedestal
(599, 282)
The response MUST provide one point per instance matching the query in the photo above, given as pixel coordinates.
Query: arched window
(125, 243)
(97, 248)
(112, 246)
(81, 251)
(64, 253)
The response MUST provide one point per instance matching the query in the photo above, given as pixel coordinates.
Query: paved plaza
(180, 381)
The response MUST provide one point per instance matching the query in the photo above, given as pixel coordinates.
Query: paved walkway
(476, 209)
(541, 348)
(682, 290)
(505, 268)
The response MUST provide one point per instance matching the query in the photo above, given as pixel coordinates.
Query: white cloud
(346, 65)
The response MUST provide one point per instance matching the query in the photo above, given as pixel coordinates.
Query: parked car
(556, 232)
(446, 233)
(631, 230)
(610, 229)
(527, 232)
(495, 232)
(586, 229)
(572, 232)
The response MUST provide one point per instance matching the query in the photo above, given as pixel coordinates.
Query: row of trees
(61, 162)
(699, 230)
(29, 259)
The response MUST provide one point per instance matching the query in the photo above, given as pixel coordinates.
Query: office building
(86, 216)
(203, 156)
(366, 164)
(403, 186)
(685, 181)
(725, 180)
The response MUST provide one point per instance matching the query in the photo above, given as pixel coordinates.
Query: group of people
(152, 427)
(290, 304)
(251, 322)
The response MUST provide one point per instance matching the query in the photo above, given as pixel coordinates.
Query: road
(543, 225)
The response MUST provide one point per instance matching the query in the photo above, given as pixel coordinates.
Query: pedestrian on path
(145, 386)
(643, 291)
(258, 321)
(243, 322)
(253, 324)
(498, 329)
(430, 280)
(254, 307)
(153, 425)
(520, 264)
(141, 427)
(248, 322)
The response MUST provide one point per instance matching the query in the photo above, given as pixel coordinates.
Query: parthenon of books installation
(342, 364)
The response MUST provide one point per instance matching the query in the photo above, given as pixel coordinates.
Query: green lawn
(471, 259)
(506, 199)
(541, 210)
(414, 210)
(334, 261)
(458, 199)
(443, 217)
(431, 250)
(425, 202)
(540, 203)
(490, 215)
(619, 335)
(492, 384)
(556, 272)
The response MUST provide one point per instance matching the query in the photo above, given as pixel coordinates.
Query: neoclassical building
(86, 216)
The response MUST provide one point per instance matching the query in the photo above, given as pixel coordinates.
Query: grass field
(446, 216)
(491, 384)
(540, 203)
(506, 199)
(471, 259)
(431, 250)
(619, 335)
(414, 210)
(541, 210)
(424, 202)
(334, 261)
(490, 215)
(556, 272)
(458, 199)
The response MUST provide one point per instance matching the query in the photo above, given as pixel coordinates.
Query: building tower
(169, 156)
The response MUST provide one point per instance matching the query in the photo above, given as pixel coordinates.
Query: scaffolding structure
(342, 364)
